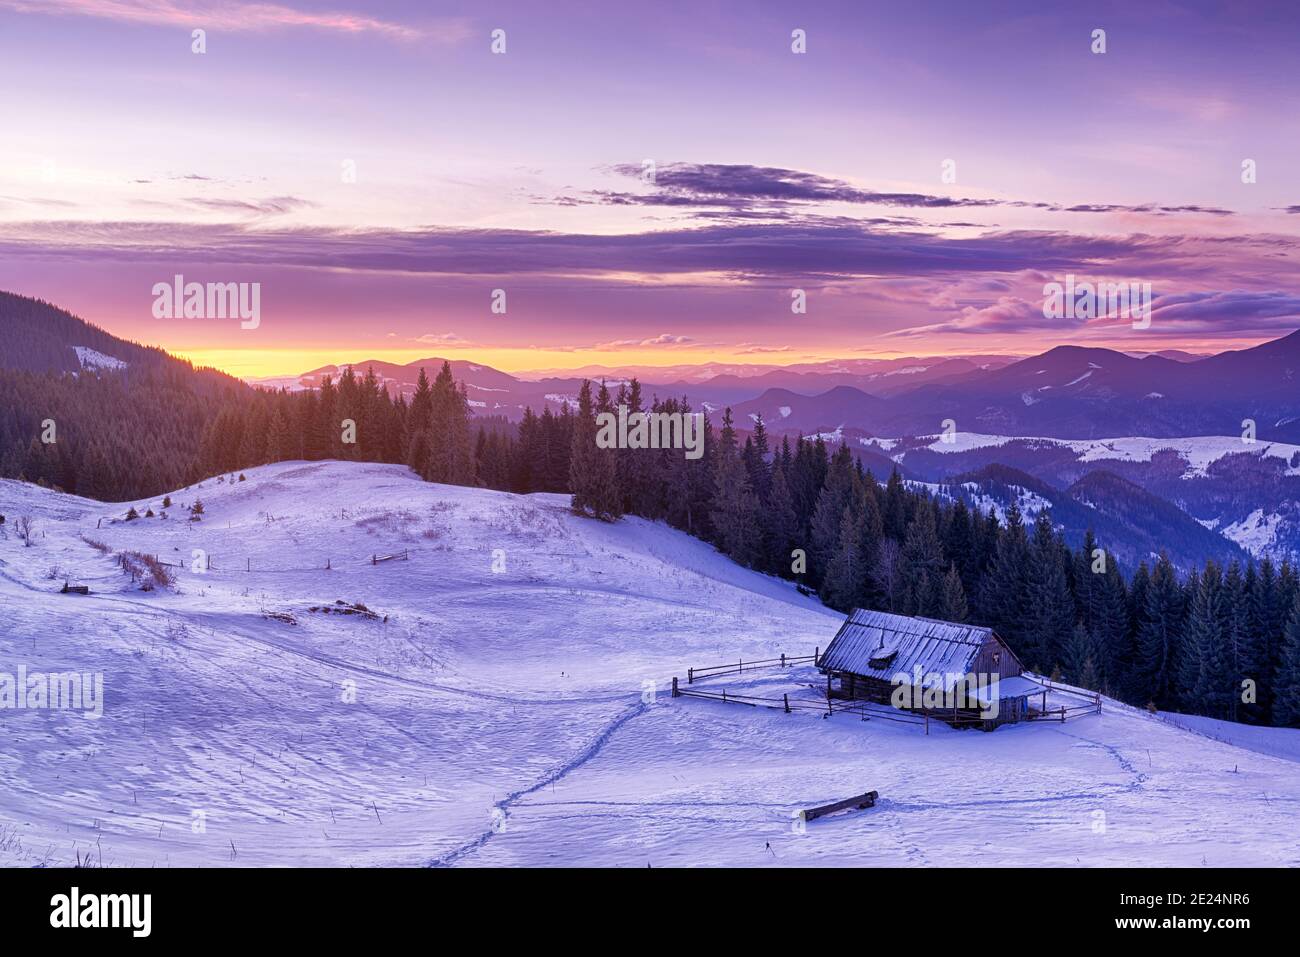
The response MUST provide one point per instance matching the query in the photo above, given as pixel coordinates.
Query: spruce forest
(1218, 641)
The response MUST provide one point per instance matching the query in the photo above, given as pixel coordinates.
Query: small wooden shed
(875, 652)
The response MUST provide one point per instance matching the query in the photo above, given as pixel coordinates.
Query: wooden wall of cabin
(994, 658)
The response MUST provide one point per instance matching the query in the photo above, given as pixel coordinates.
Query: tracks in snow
(504, 805)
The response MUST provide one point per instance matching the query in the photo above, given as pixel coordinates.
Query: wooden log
(859, 802)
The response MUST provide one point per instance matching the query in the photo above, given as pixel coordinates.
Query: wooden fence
(867, 710)
(739, 666)
(210, 564)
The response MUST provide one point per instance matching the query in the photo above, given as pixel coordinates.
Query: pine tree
(836, 495)
(735, 509)
(1048, 607)
(781, 526)
(1286, 691)
(922, 567)
(1080, 659)
(846, 571)
(591, 471)
(1237, 650)
(417, 424)
(278, 447)
(1003, 591)
(1206, 683)
(1159, 639)
(952, 597)
(1267, 616)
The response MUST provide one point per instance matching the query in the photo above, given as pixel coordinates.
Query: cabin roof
(1017, 686)
(876, 644)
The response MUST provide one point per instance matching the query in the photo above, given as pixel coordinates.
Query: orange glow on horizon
(267, 363)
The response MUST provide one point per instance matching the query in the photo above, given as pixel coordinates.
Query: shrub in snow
(147, 570)
(25, 527)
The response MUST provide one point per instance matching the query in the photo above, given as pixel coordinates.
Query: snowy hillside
(90, 359)
(511, 681)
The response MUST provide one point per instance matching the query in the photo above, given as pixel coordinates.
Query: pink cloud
(238, 16)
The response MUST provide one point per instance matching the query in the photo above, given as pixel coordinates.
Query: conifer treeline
(798, 510)
(1223, 643)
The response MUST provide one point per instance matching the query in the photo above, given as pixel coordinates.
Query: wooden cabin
(874, 653)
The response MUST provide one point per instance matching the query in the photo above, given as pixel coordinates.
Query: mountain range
(1068, 392)
(1153, 449)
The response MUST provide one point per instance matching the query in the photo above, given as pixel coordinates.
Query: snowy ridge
(1200, 452)
(518, 715)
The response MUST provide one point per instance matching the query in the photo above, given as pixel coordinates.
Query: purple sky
(128, 159)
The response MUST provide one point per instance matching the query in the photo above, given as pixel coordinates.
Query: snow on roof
(880, 645)
(1016, 686)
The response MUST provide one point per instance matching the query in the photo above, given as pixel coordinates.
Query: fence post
(817, 653)
(724, 695)
(741, 669)
(786, 696)
(690, 676)
(783, 659)
(327, 564)
(675, 694)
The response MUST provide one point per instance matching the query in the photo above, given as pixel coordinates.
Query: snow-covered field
(509, 705)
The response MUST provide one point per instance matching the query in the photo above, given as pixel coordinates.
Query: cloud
(751, 252)
(447, 339)
(1150, 208)
(1009, 314)
(1238, 311)
(741, 187)
(733, 189)
(665, 340)
(272, 206)
(1233, 313)
(240, 16)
